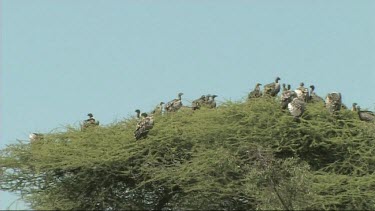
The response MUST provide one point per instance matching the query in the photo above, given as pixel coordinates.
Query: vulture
(333, 102)
(196, 104)
(89, 122)
(174, 105)
(272, 89)
(354, 107)
(211, 102)
(138, 113)
(284, 88)
(256, 93)
(35, 137)
(205, 101)
(286, 97)
(367, 116)
(302, 92)
(296, 107)
(158, 109)
(313, 96)
(143, 126)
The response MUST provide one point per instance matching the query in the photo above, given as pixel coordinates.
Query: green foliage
(240, 156)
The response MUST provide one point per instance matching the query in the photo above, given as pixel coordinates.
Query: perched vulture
(367, 116)
(158, 109)
(354, 107)
(211, 102)
(286, 97)
(205, 101)
(314, 98)
(174, 105)
(89, 122)
(272, 89)
(196, 104)
(35, 137)
(302, 92)
(333, 102)
(284, 88)
(296, 107)
(138, 113)
(256, 93)
(143, 126)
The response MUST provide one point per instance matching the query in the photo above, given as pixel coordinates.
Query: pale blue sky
(63, 59)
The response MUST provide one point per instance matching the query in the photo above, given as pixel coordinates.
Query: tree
(240, 156)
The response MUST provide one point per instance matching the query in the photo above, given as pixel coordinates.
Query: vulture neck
(354, 108)
(284, 87)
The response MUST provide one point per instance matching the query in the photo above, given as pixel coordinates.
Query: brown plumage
(174, 105)
(333, 102)
(367, 116)
(272, 89)
(256, 93)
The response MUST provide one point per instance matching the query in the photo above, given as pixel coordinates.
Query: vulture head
(284, 87)
(138, 113)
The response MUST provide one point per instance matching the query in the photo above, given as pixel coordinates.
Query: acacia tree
(240, 156)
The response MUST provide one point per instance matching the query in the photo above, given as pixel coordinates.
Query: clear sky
(63, 59)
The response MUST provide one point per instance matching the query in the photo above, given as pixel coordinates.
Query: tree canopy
(240, 156)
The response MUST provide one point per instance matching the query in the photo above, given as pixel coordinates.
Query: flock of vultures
(293, 100)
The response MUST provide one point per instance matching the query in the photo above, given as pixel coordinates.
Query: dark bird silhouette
(272, 89)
